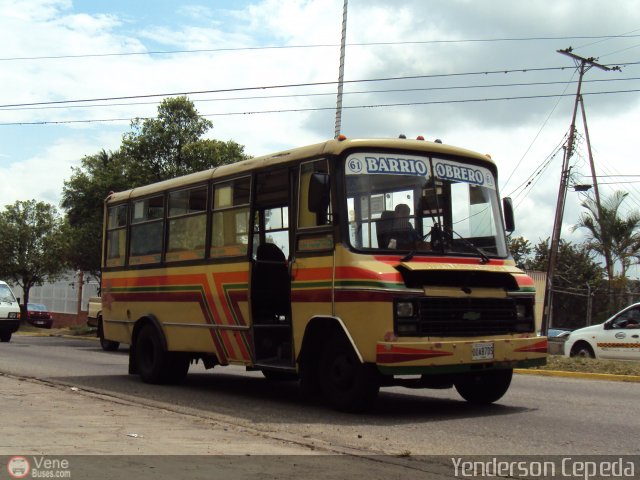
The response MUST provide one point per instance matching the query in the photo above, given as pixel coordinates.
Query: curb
(586, 376)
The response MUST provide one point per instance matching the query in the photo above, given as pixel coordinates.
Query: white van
(9, 313)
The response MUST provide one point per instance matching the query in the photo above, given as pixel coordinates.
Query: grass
(591, 365)
(74, 330)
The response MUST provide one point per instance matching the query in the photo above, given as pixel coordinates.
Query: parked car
(94, 319)
(558, 333)
(38, 315)
(94, 311)
(617, 338)
(9, 313)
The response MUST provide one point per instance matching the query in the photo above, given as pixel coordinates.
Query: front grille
(460, 317)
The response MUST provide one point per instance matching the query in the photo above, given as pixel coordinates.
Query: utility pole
(341, 71)
(583, 65)
(607, 253)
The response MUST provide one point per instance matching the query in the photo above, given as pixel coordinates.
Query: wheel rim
(342, 373)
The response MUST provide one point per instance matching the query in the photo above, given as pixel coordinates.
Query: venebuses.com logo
(18, 467)
(38, 467)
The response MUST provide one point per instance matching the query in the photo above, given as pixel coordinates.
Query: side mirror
(319, 188)
(509, 221)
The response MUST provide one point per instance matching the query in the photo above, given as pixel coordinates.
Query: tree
(170, 145)
(577, 275)
(82, 198)
(614, 237)
(521, 251)
(156, 149)
(33, 244)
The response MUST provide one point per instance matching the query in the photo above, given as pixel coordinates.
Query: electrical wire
(360, 92)
(317, 109)
(326, 45)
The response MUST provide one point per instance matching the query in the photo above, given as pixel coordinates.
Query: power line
(306, 95)
(296, 85)
(326, 45)
(291, 85)
(315, 109)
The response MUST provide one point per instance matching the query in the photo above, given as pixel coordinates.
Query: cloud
(519, 134)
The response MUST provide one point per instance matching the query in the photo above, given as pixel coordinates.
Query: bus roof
(330, 147)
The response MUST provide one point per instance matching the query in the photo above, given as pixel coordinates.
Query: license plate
(482, 351)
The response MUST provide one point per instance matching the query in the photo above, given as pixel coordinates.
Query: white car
(617, 338)
(9, 313)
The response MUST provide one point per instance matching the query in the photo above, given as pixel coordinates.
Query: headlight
(13, 315)
(404, 309)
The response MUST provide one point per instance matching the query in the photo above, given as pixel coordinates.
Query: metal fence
(62, 296)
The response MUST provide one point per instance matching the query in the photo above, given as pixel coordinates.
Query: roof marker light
(342, 137)
(419, 137)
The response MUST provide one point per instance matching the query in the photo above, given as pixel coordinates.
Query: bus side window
(147, 222)
(307, 217)
(187, 224)
(230, 223)
(116, 236)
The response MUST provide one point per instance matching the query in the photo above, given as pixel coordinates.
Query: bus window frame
(131, 225)
(107, 230)
(316, 239)
(206, 212)
(212, 211)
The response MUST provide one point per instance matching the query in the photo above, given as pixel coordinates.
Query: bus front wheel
(154, 363)
(347, 384)
(484, 388)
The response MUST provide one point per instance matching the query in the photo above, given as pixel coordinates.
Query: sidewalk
(52, 431)
(40, 418)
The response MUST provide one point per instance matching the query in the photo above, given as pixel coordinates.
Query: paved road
(539, 415)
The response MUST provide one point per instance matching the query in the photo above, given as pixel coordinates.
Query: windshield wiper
(437, 241)
(440, 238)
(483, 256)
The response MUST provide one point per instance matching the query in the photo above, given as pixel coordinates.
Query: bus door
(270, 277)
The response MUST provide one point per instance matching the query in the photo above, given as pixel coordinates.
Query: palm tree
(609, 234)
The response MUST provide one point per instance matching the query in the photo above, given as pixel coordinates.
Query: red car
(38, 315)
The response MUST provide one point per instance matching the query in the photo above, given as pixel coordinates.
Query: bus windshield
(419, 204)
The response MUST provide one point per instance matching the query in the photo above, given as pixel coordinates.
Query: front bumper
(449, 356)
(44, 323)
(9, 325)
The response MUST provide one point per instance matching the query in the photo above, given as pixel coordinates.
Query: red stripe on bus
(181, 297)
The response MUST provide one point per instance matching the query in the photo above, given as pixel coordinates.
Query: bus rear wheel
(347, 384)
(483, 388)
(154, 363)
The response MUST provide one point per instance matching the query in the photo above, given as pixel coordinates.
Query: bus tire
(5, 337)
(347, 384)
(483, 388)
(154, 363)
(107, 345)
(310, 388)
(279, 376)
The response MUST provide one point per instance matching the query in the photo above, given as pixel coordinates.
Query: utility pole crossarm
(591, 61)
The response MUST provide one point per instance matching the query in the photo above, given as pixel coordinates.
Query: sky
(484, 75)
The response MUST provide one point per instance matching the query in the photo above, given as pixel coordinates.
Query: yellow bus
(350, 265)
